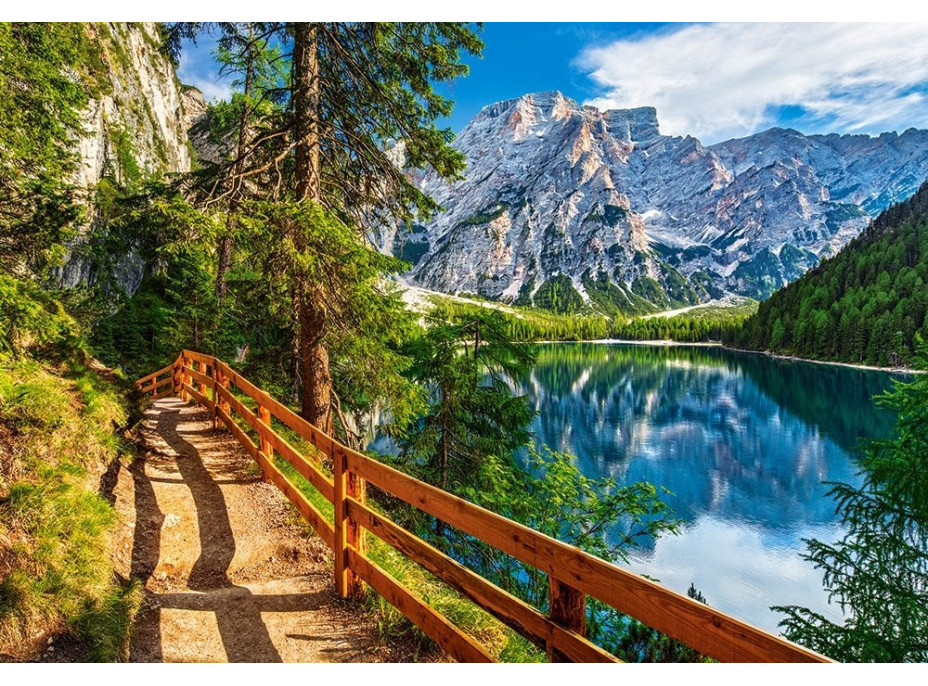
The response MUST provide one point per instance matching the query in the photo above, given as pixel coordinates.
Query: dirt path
(229, 574)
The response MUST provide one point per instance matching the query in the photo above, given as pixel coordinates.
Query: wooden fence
(572, 574)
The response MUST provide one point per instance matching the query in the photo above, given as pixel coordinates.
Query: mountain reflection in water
(744, 442)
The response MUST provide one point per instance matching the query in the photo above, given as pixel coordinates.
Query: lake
(744, 442)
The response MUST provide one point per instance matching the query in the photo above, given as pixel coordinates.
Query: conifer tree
(359, 108)
(472, 412)
(247, 52)
(878, 572)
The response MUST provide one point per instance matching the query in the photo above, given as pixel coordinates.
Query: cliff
(135, 129)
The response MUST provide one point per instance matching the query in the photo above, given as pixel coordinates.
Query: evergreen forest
(865, 305)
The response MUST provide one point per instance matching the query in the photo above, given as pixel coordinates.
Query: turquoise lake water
(744, 442)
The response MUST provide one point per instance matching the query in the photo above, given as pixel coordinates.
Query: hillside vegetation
(865, 305)
(59, 425)
(59, 419)
(262, 257)
(533, 324)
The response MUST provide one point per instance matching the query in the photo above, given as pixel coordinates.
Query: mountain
(865, 305)
(134, 128)
(563, 205)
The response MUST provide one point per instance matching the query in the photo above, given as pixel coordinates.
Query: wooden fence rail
(572, 574)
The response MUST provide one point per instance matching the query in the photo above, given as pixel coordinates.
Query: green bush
(30, 318)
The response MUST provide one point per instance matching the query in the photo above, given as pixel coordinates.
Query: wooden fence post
(212, 387)
(266, 447)
(347, 532)
(567, 607)
(184, 379)
(176, 376)
(223, 403)
(216, 383)
(356, 488)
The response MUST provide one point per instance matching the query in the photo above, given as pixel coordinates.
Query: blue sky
(529, 58)
(518, 58)
(713, 81)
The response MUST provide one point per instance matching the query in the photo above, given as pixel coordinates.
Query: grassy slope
(713, 311)
(57, 438)
(537, 324)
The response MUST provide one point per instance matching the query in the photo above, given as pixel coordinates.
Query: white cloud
(724, 80)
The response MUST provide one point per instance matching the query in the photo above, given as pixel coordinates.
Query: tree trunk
(311, 313)
(445, 456)
(314, 361)
(306, 95)
(443, 477)
(225, 261)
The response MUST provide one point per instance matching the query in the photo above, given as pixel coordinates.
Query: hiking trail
(229, 572)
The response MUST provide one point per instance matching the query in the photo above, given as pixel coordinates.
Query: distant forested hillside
(865, 305)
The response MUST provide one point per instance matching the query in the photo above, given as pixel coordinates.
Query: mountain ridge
(602, 209)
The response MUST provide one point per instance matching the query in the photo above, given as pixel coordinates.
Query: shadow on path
(244, 634)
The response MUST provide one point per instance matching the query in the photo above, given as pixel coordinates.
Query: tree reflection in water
(744, 442)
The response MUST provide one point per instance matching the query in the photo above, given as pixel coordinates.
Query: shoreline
(765, 353)
(793, 358)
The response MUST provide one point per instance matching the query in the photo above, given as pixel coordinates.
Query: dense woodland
(865, 305)
(679, 328)
(534, 324)
(263, 259)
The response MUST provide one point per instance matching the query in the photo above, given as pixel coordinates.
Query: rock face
(208, 146)
(135, 130)
(563, 204)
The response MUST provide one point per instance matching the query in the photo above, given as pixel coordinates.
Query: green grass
(56, 569)
(529, 323)
(719, 313)
(500, 641)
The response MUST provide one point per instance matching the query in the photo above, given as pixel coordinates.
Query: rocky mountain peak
(533, 109)
(638, 124)
(565, 205)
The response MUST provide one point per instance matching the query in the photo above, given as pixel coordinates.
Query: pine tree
(355, 91)
(878, 573)
(472, 412)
